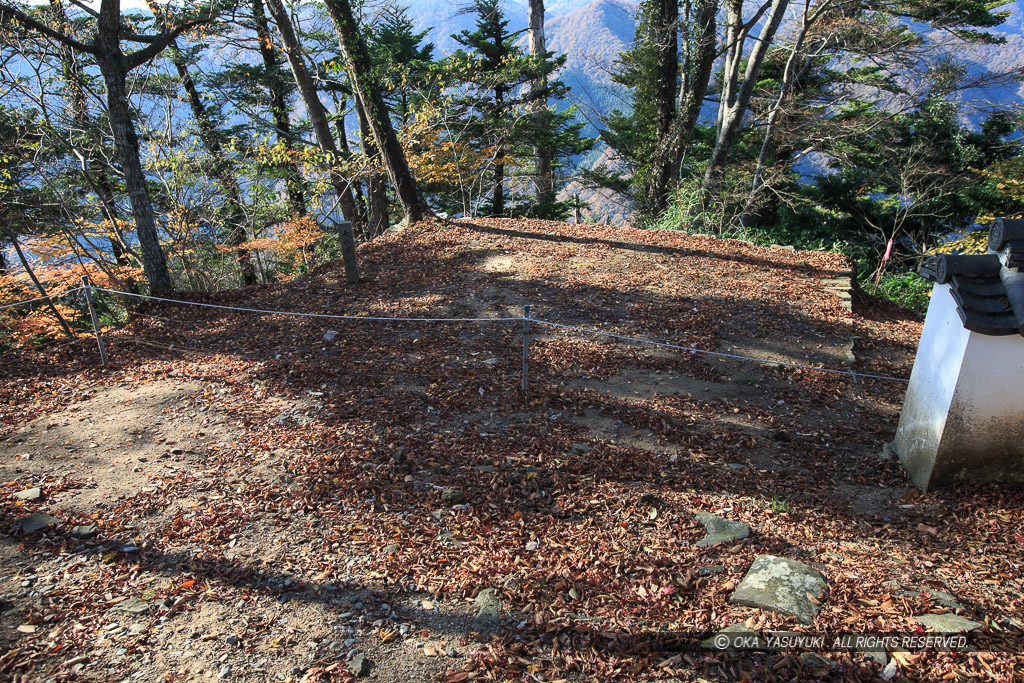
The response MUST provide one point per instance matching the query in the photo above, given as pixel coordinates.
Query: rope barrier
(40, 298)
(523, 318)
(714, 353)
(308, 315)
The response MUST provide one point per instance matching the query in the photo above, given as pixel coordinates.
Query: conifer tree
(502, 90)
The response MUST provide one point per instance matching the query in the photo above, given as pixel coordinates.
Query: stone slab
(720, 530)
(132, 606)
(947, 623)
(34, 493)
(781, 585)
(37, 522)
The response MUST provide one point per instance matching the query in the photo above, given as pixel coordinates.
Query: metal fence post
(95, 320)
(526, 345)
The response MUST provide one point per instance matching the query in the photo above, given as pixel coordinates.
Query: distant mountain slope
(592, 36)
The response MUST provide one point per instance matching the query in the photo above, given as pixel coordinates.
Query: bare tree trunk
(127, 144)
(102, 184)
(498, 191)
(376, 190)
(357, 61)
(236, 236)
(733, 107)
(699, 63)
(39, 286)
(789, 77)
(321, 128)
(279, 107)
(343, 146)
(543, 173)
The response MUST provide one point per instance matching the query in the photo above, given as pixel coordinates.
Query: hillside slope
(267, 504)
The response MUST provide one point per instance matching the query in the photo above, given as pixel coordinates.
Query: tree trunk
(666, 39)
(322, 130)
(343, 146)
(102, 184)
(357, 61)
(731, 112)
(236, 236)
(279, 107)
(543, 173)
(126, 142)
(789, 76)
(376, 190)
(700, 60)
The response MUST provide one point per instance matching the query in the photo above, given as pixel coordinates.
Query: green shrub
(909, 290)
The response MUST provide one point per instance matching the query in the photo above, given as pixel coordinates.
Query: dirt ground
(239, 499)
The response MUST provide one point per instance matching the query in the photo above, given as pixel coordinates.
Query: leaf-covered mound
(275, 503)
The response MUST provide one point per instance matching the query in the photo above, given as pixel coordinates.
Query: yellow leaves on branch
(1009, 178)
(435, 155)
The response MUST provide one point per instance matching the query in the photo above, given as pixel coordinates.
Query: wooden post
(348, 251)
(95, 320)
(526, 345)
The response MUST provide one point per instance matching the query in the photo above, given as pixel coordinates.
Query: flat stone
(391, 549)
(132, 606)
(781, 585)
(453, 496)
(34, 493)
(225, 672)
(711, 570)
(941, 598)
(37, 522)
(720, 530)
(331, 335)
(947, 623)
(484, 468)
(84, 531)
(359, 666)
(488, 607)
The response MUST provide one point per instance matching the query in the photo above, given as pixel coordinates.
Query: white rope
(714, 353)
(635, 340)
(41, 298)
(309, 315)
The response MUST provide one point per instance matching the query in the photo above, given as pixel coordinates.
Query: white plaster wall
(983, 438)
(992, 379)
(933, 381)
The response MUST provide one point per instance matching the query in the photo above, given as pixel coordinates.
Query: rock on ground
(781, 585)
(37, 522)
(721, 530)
(488, 612)
(947, 623)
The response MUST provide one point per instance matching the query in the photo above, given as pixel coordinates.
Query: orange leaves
(291, 242)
